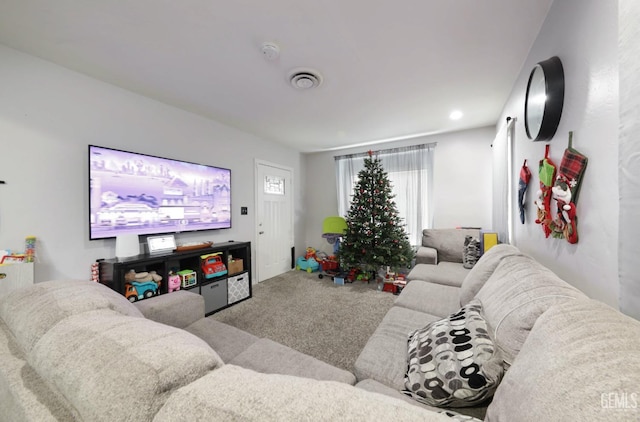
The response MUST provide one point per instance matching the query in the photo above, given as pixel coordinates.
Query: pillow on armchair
(471, 252)
(453, 362)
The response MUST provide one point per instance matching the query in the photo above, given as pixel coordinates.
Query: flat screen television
(143, 194)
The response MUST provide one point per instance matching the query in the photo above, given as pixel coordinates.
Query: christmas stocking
(572, 168)
(523, 183)
(547, 175)
(566, 189)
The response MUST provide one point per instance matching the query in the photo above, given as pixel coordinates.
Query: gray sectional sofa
(77, 351)
(567, 357)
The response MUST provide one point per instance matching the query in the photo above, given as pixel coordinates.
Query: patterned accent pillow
(470, 252)
(453, 362)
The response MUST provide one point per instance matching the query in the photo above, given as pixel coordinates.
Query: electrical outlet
(243, 211)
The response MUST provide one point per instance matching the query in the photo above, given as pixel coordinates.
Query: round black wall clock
(544, 99)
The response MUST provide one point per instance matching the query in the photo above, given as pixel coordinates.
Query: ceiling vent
(305, 79)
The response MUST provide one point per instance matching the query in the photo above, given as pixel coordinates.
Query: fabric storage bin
(238, 287)
(215, 295)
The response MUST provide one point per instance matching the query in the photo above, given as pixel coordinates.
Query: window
(503, 184)
(274, 185)
(410, 171)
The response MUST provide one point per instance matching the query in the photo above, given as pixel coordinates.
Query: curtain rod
(387, 151)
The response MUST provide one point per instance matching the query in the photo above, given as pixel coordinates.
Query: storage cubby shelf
(221, 287)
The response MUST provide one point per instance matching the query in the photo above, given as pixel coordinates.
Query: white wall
(48, 116)
(462, 183)
(583, 33)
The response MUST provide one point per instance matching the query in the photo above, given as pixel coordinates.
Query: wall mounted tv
(143, 194)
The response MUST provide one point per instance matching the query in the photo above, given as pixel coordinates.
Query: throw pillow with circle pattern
(470, 252)
(453, 362)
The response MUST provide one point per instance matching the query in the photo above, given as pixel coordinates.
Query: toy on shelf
(212, 265)
(141, 285)
(14, 258)
(140, 290)
(173, 281)
(236, 265)
(30, 248)
(143, 277)
(188, 278)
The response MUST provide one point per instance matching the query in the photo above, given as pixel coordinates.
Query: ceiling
(389, 69)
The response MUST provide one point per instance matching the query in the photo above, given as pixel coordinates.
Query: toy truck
(212, 265)
(140, 290)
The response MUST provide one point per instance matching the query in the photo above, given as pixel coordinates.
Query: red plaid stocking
(565, 192)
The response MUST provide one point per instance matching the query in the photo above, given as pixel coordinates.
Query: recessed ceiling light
(456, 115)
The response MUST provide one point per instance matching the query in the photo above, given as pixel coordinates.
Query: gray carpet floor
(329, 322)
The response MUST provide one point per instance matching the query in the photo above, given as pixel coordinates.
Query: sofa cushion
(377, 387)
(226, 340)
(269, 357)
(23, 394)
(517, 293)
(463, 414)
(384, 357)
(30, 312)
(436, 299)
(178, 309)
(447, 273)
(448, 242)
(483, 269)
(579, 363)
(113, 367)
(232, 393)
(426, 255)
(453, 362)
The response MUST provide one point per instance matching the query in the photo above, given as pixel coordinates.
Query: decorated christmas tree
(375, 235)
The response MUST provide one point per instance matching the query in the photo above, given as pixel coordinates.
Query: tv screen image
(143, 194)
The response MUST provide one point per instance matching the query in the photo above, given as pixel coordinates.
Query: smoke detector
(305, 78)
(270, 51)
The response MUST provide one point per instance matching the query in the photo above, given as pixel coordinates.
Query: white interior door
(274, 219)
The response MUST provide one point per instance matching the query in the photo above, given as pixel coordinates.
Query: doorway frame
(258, 185)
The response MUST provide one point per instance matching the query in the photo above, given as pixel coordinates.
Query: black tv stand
(219, 292)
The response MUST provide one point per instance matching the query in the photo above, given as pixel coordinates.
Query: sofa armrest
(426, 255)
(178, 309)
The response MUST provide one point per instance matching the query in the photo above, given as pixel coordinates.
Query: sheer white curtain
(410, 171)
(503, 184)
